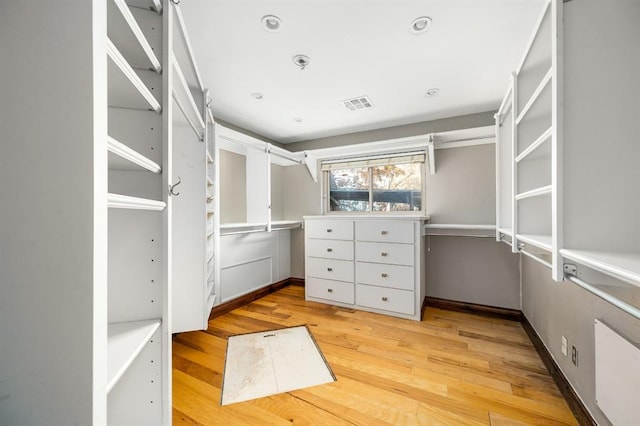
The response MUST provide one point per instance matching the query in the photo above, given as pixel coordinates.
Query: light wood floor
(450, 369)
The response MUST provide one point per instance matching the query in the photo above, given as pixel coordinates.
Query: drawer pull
(385, 298)
(330, 290)
(329, 269)
(329, 230)
(384, 232)
(329, 250)
(383, 254)
(384, 275)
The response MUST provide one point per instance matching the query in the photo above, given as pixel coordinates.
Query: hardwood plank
(451, 368)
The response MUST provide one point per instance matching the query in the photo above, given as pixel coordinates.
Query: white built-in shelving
(137, 279)
(571, 196)
(601, 179)
(194, 210)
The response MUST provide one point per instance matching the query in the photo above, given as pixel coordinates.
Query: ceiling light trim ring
(271, 23)
(420, 25)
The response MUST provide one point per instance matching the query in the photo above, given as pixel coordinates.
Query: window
(375, 184)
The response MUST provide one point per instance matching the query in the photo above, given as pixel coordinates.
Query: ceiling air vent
(361, 102)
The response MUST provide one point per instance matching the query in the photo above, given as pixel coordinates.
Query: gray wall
(562, 308)
(434, 126)
(277, 192)
(233, 183)
(468, 269)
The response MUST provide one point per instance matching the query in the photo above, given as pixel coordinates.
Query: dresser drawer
(396, 254)
(329, 229)
(331, 269)
(330, 249)
(384, 275)
(388, 299)
(391, 231)
(336, 291)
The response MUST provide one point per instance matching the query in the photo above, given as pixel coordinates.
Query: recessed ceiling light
(257, 95)
(432, 92)
(298, 120)
(271, 23)
(301, 60)
(420, 25)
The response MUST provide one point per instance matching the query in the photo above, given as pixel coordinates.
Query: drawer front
(390, 231)
(395, 254)
(388, 299)
(329, 229)
(383, 275)
(330, 249)
(331, 269)
(336, 291)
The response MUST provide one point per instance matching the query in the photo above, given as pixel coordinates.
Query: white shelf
(185, 100)
(209, 181)
(544, 137)
(117, 201)
(534, 97)
(241, 228)
(188, 51)
(540, 241)
(537, 192)
(210, 234)
(210, 210)
(209, 158)
(126, 89)
(147, 4)
(124, 31)
(623, 266)
(209, 257)
(125, 342)
(130, 158)
(506, 231)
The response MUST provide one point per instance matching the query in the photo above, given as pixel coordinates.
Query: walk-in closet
(319, 212)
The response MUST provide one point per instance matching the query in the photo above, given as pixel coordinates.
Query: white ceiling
(357, 47)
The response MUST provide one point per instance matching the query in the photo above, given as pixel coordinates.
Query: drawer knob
(329, 230)
(384, 232)
(385, 298)
(329, 269)
(330, 290)
(383, 254)
(384, 275)
(329, 250)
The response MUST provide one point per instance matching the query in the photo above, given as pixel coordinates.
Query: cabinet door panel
(384, 275)
(388, 299)
(336, 291)
(341, 270)
(330, 249)
(391, 231)
(395, 254)
(329, 229)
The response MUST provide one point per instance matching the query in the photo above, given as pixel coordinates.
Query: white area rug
(272, 362)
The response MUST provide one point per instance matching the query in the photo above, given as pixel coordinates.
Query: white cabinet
(366, 263)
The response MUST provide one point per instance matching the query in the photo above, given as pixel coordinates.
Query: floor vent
(361, 102)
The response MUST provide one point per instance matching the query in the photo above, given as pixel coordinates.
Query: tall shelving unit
(138, 357)
(532, 108)
(601, 150)
(194, 272)
(504, 167)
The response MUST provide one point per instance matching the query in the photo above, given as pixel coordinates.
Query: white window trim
(325, 190)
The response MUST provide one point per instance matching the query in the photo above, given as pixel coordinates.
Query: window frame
(325, 201)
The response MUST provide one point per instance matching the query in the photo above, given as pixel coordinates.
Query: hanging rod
(285, 156)
(184, 113)
(631, 310)
(537, 259)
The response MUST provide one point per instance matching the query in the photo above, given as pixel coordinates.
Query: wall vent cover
(360, 102)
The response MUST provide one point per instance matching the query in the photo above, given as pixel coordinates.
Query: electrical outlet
(574, 356)
(564, 346)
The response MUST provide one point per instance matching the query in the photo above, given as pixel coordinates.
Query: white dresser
(373, 263)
